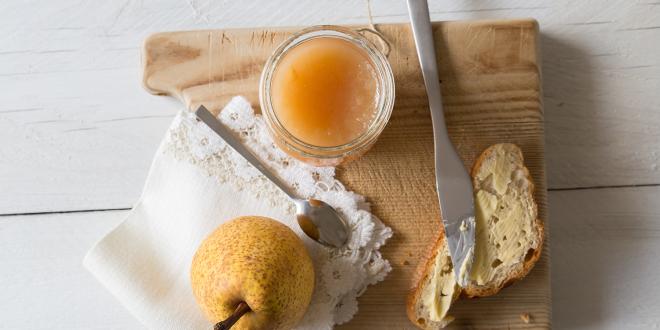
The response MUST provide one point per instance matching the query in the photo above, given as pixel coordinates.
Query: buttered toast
(508, 240)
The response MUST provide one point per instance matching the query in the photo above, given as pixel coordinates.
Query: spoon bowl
(321, 222)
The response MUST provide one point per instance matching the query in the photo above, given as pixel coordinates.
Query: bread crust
(424, 268)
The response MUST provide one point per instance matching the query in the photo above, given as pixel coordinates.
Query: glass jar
(384, 100)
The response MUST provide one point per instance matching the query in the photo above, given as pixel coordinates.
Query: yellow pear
(252, 273)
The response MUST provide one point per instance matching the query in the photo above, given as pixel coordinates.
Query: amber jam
(326, 94)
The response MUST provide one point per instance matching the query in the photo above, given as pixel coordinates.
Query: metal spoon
(317, 219)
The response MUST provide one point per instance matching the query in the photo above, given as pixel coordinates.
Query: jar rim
(385, 92)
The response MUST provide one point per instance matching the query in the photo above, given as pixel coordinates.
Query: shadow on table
(568, 87)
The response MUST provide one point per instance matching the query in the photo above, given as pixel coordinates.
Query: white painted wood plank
(79, 132)
(604, 253)
(44, 285)
(604, 265)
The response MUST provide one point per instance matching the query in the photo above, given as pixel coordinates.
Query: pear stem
(240, 310)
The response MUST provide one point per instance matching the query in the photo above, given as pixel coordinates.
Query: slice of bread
(435, 289)
(509, 238)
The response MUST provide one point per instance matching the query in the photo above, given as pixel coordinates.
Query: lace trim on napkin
(342, 274)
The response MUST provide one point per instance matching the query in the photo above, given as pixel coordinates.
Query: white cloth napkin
(197, 182)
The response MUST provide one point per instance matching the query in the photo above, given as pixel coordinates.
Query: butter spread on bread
(509, 237)
(441, 290)
(437, 289)
(506, 215)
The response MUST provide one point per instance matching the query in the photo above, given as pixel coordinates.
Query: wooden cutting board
(491, 85)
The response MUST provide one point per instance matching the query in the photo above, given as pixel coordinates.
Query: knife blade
(453, 183)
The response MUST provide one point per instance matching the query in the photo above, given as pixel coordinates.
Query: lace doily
(341, 274)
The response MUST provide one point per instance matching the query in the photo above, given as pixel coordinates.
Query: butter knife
(453, 182)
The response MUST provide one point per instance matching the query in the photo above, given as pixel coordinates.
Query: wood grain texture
(604, 266)
(491, 87)
(79, 133)
(68, 66)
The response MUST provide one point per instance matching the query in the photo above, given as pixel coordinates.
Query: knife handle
(453, 182)
(423, 35)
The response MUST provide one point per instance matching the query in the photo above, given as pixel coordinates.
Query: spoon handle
(209, 119)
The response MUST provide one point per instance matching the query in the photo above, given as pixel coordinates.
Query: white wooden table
(77, 134)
